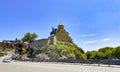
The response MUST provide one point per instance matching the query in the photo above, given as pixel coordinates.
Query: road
(50, 67)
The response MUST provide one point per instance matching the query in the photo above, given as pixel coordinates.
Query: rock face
(61, 34)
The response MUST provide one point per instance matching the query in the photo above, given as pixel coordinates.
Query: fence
(98, 62)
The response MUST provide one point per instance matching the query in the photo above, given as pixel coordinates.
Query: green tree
(100, 55)
(19, 47)
(30, 51)
(88, 54)
(117, 52)
(93, 54)
(70, 40)
(29, 37)
(108, 53)
(104, 49)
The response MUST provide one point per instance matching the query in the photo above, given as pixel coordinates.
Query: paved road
(49, 67)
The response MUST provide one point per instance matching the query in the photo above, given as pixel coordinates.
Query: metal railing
(97, 62)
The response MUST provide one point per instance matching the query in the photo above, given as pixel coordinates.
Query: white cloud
(106, 39)
(84, 35)
(92, 34)
(88, 42)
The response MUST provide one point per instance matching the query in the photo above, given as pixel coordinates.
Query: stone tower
(52, 40)
(62, 34)
(60, 26)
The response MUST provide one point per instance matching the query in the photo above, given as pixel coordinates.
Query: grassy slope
(63, 51)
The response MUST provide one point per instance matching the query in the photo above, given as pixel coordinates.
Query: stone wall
(52, 40)
(42, 42)
(39, 43)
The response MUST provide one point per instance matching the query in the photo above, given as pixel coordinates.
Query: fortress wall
(40, 43)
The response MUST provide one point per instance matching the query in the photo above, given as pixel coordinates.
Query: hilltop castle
(57, 34)
(60, 33)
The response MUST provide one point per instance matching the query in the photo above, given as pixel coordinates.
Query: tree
(104, 49)
(108, 53)
(88, 54)
(29, 37)
(93, 55)
(70, 40)
(117, 52)
(30, 51)
(19, 47)
(100, 55)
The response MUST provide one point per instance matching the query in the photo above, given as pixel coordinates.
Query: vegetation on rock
(63, 51)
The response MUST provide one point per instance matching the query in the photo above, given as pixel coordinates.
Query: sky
(92, 24)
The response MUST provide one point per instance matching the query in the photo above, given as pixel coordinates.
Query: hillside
(62, 51)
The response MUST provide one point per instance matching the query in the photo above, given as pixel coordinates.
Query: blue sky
(92, 24)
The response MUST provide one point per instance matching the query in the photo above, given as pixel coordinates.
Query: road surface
(50, 67)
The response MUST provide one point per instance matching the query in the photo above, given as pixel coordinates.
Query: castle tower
(62, 34)
(60, 26)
